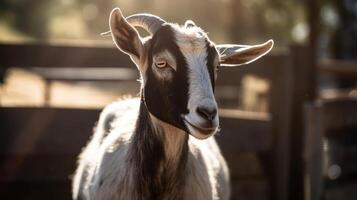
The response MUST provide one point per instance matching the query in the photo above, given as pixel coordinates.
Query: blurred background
(289, 121)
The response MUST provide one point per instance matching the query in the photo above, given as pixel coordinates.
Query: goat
(158, 146)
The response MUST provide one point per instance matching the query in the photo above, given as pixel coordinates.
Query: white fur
(207, 174)
(191, 42)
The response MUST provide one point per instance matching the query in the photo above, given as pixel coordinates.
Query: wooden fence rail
(49, 55)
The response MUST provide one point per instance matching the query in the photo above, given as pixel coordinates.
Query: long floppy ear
(233, 55)
(125, 36)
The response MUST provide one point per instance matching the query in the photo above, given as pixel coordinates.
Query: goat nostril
(207, 113)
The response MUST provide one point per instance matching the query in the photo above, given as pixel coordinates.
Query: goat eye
(161, 64)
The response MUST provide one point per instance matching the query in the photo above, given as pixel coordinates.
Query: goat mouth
(199, 132)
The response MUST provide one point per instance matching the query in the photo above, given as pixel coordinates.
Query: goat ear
(189, 24)
(125, 36)
(236, 55)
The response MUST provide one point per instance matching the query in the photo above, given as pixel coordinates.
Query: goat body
(140, 161)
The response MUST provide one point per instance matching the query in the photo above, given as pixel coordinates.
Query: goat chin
(104, 173)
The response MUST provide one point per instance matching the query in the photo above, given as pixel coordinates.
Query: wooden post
(304, 86)
(281, 113)
(314, 19)
(313, 155)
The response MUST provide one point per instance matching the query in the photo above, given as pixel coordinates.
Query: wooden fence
(39, 146)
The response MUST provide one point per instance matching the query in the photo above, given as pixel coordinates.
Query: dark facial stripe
(211, 53)
(167, 100)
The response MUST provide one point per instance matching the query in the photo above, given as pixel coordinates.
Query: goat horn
(150, 23)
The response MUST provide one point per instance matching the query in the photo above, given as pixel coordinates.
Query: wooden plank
(37, 168)
(339, 113)
(239, 134)
(337, 93)
(262, 68)
(345, 191)
(32, 190)
(87, 74)
(49, 55)
(240, 114)
(338, 67)
(254, 189)
(245, 165)
(45, 130)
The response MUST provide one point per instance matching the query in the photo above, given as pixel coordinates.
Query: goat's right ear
(189, 24)
(125, 36)
(237, 55)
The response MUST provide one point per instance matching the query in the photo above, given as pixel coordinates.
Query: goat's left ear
(235, 55)
(124, 35)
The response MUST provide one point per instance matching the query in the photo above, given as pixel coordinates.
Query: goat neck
(159, 157)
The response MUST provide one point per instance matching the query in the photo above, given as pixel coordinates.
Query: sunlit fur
(207, 174)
